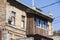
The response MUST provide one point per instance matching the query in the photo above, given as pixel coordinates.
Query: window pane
(23, 22)
(46, 25)
(11, 19)
(37, 22)
(12, 13)
(42, 23)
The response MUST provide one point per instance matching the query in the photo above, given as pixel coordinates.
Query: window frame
(46, 24)
(22, 21)
(41, 23)
(12, 18)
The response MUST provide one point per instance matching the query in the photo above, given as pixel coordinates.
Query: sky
(45, 6)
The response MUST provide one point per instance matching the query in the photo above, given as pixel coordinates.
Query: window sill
(11, 25)
(41, 28)
(16, 28)
(22, 29)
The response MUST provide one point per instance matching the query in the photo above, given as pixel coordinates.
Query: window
(42, 24)
(37, 22)
(46, 25)
(11, 19)
(23, 22)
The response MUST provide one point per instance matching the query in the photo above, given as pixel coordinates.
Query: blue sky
(54, 9)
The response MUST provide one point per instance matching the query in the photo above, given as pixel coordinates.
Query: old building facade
(19, 21)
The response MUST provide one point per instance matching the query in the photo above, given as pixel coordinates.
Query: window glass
(42, 24)
(46, 25)
(11, 19)
(12, 13)
(23, 22)
(37, 22)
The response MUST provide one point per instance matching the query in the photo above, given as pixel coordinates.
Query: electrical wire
(56, 22)
(51, 4)
(55, 19)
